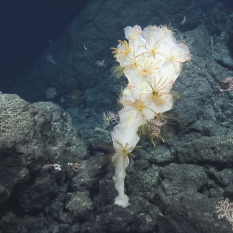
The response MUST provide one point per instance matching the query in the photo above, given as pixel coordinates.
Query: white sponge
(151, 60)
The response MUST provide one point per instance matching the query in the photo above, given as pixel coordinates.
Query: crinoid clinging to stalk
(158, 91)
(122, 151)
(131, 62)
(152, 49)
(122, 49)
(147, 67)
(117, 71)
(140, 109)
(158, 39)
(168, 29)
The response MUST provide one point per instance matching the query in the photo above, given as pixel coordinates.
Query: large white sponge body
(151, 60)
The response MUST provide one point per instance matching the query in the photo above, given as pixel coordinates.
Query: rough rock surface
(173, 187)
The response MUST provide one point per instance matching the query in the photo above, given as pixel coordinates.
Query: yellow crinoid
(158, 90)
(151, 49)
(122, 152)
(122, 49)
(147, 66)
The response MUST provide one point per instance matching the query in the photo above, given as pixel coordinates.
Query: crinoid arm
(122, 49)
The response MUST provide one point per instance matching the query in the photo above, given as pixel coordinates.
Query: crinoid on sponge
(151, 60)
